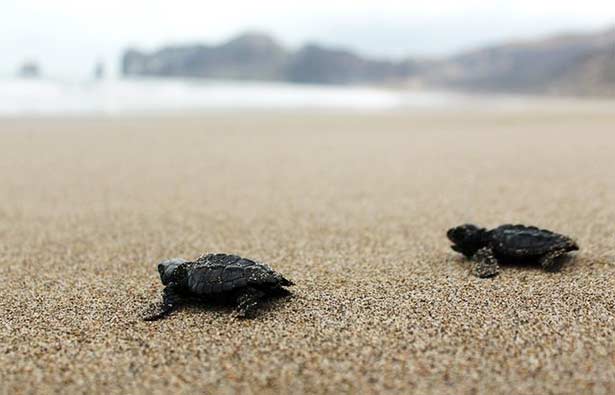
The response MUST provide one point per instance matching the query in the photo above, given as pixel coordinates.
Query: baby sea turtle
(509, 243)
(217, 278)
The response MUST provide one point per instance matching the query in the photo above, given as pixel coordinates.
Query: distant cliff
(246, 57)
(260, 57)
(576, 64)
(316, 64)
(573, 64)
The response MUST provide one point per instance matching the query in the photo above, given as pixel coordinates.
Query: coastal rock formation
(570, 64)
(249, 56)
(259, 57)
(29, 69)
(576, 64)
(318, 64)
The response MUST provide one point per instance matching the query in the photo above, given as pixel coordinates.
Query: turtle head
(171, 270)
(467, 239)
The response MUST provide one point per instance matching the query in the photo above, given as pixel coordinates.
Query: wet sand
(351, 207)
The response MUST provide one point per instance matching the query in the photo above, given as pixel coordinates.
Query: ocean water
(45, 97)
(27, 97)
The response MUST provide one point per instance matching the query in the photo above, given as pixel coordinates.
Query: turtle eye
(160, 268)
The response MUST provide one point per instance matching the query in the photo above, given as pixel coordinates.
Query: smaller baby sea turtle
(509, 243)
(217, 278)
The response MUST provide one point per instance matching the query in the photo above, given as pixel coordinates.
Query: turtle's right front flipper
(485, 264)
(170, 300)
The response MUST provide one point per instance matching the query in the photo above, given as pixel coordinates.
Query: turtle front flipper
(170, 300)
(551, 261)
(485, 264)
(247, 302)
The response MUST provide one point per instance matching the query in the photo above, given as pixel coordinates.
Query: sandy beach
(352, 207)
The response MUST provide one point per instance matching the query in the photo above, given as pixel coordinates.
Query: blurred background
(63, 57)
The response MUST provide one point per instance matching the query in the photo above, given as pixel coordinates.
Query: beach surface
(352, 207)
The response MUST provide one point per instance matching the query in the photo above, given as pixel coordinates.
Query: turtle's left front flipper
(485, 264)
(551, 262)
(170, 300)
(247, 302)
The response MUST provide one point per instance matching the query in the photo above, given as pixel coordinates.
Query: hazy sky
(67, 36)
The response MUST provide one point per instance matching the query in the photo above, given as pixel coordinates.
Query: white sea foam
(48, 97)
(28, 97)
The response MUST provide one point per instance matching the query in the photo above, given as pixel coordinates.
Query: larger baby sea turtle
(509, 243)
(217, 278)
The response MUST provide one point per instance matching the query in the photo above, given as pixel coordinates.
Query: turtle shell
(527, 241)
(217, 273)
